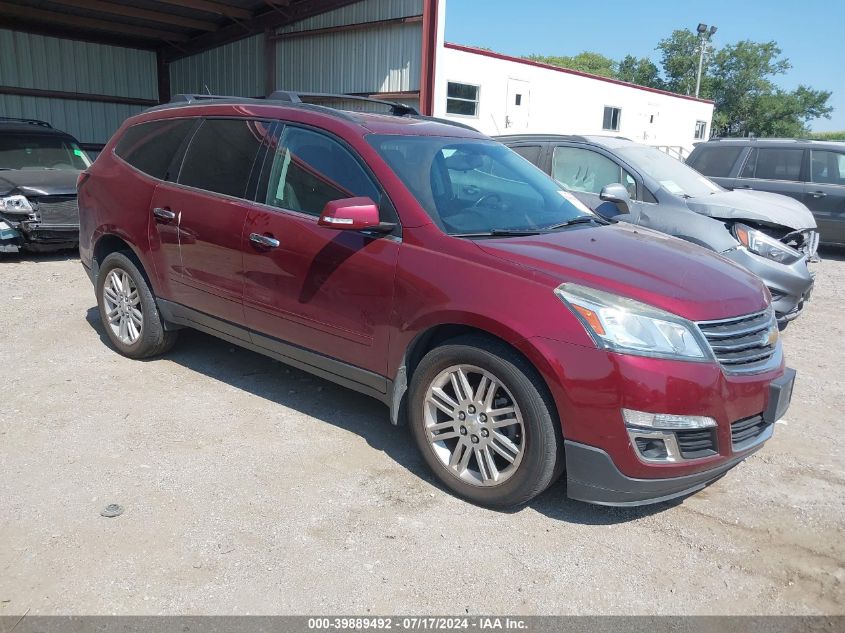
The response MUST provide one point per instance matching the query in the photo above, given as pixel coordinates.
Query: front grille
(743, 431)
(696, 443)
(742, 344)
(58, 210)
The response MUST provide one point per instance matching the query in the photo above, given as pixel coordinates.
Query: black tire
(542, 459)
(153, 339)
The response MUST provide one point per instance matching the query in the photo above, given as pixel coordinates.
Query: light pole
(704, 34)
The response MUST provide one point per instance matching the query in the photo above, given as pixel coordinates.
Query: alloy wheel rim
(474, 425)
(123, 306)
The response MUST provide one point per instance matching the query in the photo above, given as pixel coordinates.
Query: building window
(611, 118)
(462, 99)
(700, 129)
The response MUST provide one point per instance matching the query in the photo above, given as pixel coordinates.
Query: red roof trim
(528, 62)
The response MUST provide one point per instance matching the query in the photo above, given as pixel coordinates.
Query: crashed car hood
(756, 206)
(38, 182)
(644, 265)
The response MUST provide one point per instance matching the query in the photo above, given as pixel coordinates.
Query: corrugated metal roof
(235, 69)
(384, 59)
(28, 60)
(364, 11)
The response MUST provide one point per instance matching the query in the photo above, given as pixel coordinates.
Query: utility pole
(704, 35)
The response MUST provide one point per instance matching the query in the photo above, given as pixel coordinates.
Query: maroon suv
(426, 265)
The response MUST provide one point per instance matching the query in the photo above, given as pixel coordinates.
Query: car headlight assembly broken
(761, 244)
(15, 204)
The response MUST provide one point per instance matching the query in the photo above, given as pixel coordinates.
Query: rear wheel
(128, 310)
(482, 424)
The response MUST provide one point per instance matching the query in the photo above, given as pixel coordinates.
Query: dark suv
(812, 172)
(39, 167)
(432, 268)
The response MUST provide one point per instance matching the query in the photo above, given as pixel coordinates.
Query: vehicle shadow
(37, 258)
(350, 411)
(836, 253)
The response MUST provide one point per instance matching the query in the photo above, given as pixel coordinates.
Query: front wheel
(480, 416)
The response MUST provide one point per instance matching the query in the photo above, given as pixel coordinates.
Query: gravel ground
(249, 487)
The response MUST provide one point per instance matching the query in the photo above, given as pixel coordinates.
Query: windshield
(476, 186)
(676, 177)
(40, 151)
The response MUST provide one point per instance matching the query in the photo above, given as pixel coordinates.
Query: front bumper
(790, 284)
(592, 476)
(591, 387)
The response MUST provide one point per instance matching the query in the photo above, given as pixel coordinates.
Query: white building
(87, 74)
(498, 94)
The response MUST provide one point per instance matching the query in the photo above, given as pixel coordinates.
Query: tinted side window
(585, 170)
(221, 155)
(150, 147)
(750, 165)
(774, 163)
(715, 160)
(310, 169)
(828, 167)
(529, 152)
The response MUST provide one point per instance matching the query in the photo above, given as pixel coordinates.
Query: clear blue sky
(811, 33)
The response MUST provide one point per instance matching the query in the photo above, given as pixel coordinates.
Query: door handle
(164, 214)
(744, 187)
(264, 240)
(818, 194)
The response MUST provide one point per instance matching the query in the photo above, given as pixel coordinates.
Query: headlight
(765, 246)
(15, 204)
(630, 327)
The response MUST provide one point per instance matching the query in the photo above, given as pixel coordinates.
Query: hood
(757, 206)
(644, 265)
(38, 182)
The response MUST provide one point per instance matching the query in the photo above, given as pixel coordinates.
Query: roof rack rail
(762, 139)
(38, 122)
(296, 99)
(396, 108)
(186, 99)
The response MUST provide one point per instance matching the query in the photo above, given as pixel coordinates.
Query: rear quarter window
(715, 161)
(150, 147)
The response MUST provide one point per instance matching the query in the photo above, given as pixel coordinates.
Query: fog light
(667, 421)
(652, 448)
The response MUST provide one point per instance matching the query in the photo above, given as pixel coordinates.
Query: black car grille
(58, 210)
(743, 431)
(742, 344)
(696, 443)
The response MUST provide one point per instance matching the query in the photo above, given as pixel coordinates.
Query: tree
(747, 100)
(587, 62)
(739, 78)
(642, 72)
(679, 58)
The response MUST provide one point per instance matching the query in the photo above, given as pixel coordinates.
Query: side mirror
(617, 194)
(350, 214)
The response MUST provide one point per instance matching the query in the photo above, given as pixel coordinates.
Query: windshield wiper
(501, 233)
(581, 219)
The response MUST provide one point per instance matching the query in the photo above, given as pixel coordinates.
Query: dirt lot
(252, 488)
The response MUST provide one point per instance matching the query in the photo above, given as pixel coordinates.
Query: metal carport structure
(85, 65)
